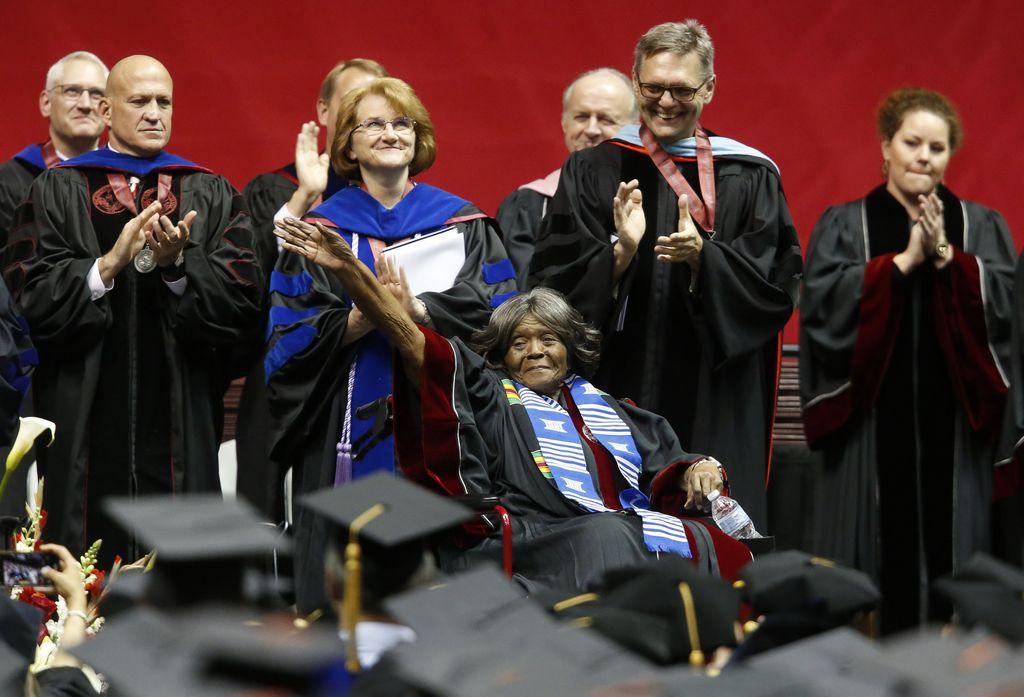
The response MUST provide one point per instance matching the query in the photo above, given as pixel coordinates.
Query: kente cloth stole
(561, 458)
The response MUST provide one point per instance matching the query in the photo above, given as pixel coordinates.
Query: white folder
(431, 261)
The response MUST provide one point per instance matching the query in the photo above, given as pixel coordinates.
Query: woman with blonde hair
(904, 337)
(328, 373)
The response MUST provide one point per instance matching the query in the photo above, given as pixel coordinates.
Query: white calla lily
(30, 428)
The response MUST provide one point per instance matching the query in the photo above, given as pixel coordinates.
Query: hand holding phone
(25, 569)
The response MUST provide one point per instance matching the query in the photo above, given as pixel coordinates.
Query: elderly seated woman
(592, 483)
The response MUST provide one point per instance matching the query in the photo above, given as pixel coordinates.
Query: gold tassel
(574, 601)
(696, 655)
(353, 598)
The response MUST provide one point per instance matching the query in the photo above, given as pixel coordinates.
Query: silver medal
(145, 261)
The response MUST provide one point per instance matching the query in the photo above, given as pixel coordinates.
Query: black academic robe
(133, 380)
(903, 381)
(308, 393)
(18, 358)
(458, 434)
(519, 217)
(706, 360)
(260, 477)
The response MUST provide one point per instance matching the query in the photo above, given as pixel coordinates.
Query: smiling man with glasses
(74, 86)
(679, 245)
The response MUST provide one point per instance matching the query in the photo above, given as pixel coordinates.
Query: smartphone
(26, 568)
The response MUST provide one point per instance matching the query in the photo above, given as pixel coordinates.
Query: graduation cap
(798, 583)
(521, 652)
(216, 652)
(744, 682)
(387, 519)
(202, 541)
(936, 663)
(989, 593)
(19, 627)
(456, 604)
(666, 610)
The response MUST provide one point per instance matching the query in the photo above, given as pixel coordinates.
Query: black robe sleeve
(519, 218)
(64, 681)
(264, 196)
(485, 281)
(50, 250)
(18, 359)
(15, 180)
(221, 302)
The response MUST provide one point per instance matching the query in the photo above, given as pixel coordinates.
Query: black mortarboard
(215, 652)
(13, 669)
(203, 543)
(743, 682)
(521, 652)
(987, 592)
(935, 663)
(387, 519)
(828, 661)
(456, 604)
(666, 610)
(19, 626)
(798, 583)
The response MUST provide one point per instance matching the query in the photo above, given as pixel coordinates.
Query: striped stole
(561, 458)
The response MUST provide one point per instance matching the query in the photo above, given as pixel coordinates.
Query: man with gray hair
(594, 107)
(679, 245)
(74, 86)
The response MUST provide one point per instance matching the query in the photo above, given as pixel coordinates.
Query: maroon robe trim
(960, 329)
(881, 312)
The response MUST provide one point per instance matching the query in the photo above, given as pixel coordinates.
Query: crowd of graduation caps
(211, 618)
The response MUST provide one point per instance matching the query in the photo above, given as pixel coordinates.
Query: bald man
(594, 107)
(135, 270)
(288, 192)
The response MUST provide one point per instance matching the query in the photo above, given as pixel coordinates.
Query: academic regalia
(261, 477)
(17, 175)
(519, 217)
(18, 359)
(313, 381)
(466, 433)
(902, 382)
(706, 360)
(133, 380)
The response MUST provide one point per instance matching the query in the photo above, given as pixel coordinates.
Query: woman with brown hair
(328, 373)
(903, 341)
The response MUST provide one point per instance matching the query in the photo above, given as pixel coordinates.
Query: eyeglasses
(73, 93)
(651, 90)
(403, 125)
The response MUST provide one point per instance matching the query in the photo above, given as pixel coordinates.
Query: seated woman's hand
(699, 480)
(316, 243)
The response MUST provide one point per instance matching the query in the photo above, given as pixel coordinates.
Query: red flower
(42, 520)
(38, 544)
(95, 584)
(117, 559)
(39, 600)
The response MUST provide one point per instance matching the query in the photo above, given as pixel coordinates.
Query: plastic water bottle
(730, 517)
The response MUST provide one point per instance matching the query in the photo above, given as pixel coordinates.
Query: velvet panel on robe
(519, 217)
(16, 176)
(458, 434)
(308, 391)
(260, 476)
(902, 384)
(53, 244)
(708, 360)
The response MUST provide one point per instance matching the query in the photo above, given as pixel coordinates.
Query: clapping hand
(628, 212)
(685, 244)
(316, 243)
(933, 228)
(167, 239)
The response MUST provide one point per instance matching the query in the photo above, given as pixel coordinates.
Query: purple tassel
(343, 464)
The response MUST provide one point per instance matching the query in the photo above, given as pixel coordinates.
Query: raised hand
(933, 226)
(129, 243)
(685, 244)
(310, 164)
(315, 242)
(628, 213)
(166, 239)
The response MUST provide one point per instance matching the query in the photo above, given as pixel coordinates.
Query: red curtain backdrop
(799, 80)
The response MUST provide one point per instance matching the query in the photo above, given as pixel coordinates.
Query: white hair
(608, 72)
(56, 72)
